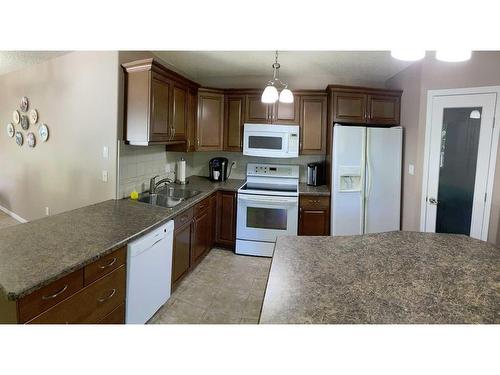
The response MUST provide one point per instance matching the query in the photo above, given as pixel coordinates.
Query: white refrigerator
(366, 179)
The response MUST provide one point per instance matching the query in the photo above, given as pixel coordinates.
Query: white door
(348, 179)
(458, 163)
(383, 179)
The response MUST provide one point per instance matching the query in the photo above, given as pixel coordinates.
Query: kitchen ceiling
(301, 69)
(15, 60)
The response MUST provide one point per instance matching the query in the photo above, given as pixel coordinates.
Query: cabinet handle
(113, 261)
(198, 141)
(56, 294)
(108, 297)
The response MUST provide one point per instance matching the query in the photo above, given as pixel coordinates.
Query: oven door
(263, 218)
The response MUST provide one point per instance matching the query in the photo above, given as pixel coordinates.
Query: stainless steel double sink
(168, 197)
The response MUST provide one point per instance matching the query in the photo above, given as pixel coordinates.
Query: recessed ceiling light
(408, 54)
(453, 55)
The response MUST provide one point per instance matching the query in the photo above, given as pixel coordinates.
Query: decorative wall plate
(31, 140)
(16, 117)
(10, 130)
(25, 103)
(25, 123)
(19, 138)
(33, 116)
(43, 132)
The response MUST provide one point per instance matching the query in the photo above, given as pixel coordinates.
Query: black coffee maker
(217, 169)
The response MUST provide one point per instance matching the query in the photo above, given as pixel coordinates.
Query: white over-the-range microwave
(272, 141)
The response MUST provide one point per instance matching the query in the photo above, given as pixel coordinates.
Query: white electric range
(268, 206)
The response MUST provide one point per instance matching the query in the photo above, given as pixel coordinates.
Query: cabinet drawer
(314, 202)
(201, 207)
(183, 218)
(104, 265)
(91, 304)
(50, 295)
(117, 316)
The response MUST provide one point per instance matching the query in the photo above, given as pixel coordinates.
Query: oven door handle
(267, 200)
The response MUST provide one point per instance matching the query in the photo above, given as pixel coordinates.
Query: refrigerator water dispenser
(350, 179)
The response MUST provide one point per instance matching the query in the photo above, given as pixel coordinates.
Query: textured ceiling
(15, 60)
(302, 69)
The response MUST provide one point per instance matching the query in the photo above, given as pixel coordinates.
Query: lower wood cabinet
(201, 234)
(181, 257)
(226, 219)
(314, 215)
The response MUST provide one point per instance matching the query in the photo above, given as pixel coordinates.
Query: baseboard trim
(13, 215)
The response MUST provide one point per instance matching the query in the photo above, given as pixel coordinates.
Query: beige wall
(76, 95)
(482, 70)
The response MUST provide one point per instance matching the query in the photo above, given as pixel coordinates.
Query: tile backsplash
(139, 163)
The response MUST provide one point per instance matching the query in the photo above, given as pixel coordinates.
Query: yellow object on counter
(134, 195)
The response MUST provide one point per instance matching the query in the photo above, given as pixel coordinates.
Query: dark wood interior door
(181, 252)
(349, 107)
(160, 93)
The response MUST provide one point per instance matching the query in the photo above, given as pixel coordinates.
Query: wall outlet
(104, 176)
(411, 169)
(47, 211)
(105, 152)
(167, 168)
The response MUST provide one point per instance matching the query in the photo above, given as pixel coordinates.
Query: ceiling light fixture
(270, 94)
(408, 55)
(453, 55)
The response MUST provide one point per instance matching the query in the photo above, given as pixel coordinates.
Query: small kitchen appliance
(271, 141)
(315, 174)
(217, 169)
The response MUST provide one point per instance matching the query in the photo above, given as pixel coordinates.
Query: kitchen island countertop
(36, 253)
(393, 277)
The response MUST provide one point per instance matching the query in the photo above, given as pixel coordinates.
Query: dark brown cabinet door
(349, 107)
(226, 219)
(286, 113)
(213, 219)
(314, 223)
(257, 112)
(181, 252)
(209, 132)
(201, 235)
(179, 113)
(383, 109)
(233, 134)
(191, 123)
(313, 125)
(160, 92)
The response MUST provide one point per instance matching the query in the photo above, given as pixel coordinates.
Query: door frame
(431, 94)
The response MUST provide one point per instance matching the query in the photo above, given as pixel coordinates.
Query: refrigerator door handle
(363, 178)
(368, 178)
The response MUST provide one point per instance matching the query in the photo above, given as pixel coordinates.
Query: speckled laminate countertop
(394, 277)
(36, 253)
(314, 190)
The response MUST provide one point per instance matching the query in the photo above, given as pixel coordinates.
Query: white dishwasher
(149, 272)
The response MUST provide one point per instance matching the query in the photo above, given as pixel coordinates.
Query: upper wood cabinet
(285, 113)
(362, 105)
(313, 123)
(210, 124)
(256, 111)
(156, 104)
(233, 122)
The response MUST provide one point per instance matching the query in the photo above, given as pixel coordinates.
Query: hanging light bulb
(453, 55)
(286, 96)
(408, 55)
(270, 94)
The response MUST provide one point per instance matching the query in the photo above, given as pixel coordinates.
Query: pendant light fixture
(270, 94)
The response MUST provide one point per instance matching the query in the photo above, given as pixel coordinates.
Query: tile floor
(224, 288)
(6, 220)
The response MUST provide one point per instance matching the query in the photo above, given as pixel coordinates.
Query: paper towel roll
(181, 170)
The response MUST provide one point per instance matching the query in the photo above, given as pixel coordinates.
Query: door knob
(433, 201)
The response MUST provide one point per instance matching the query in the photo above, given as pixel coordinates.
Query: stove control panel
(273, 170)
